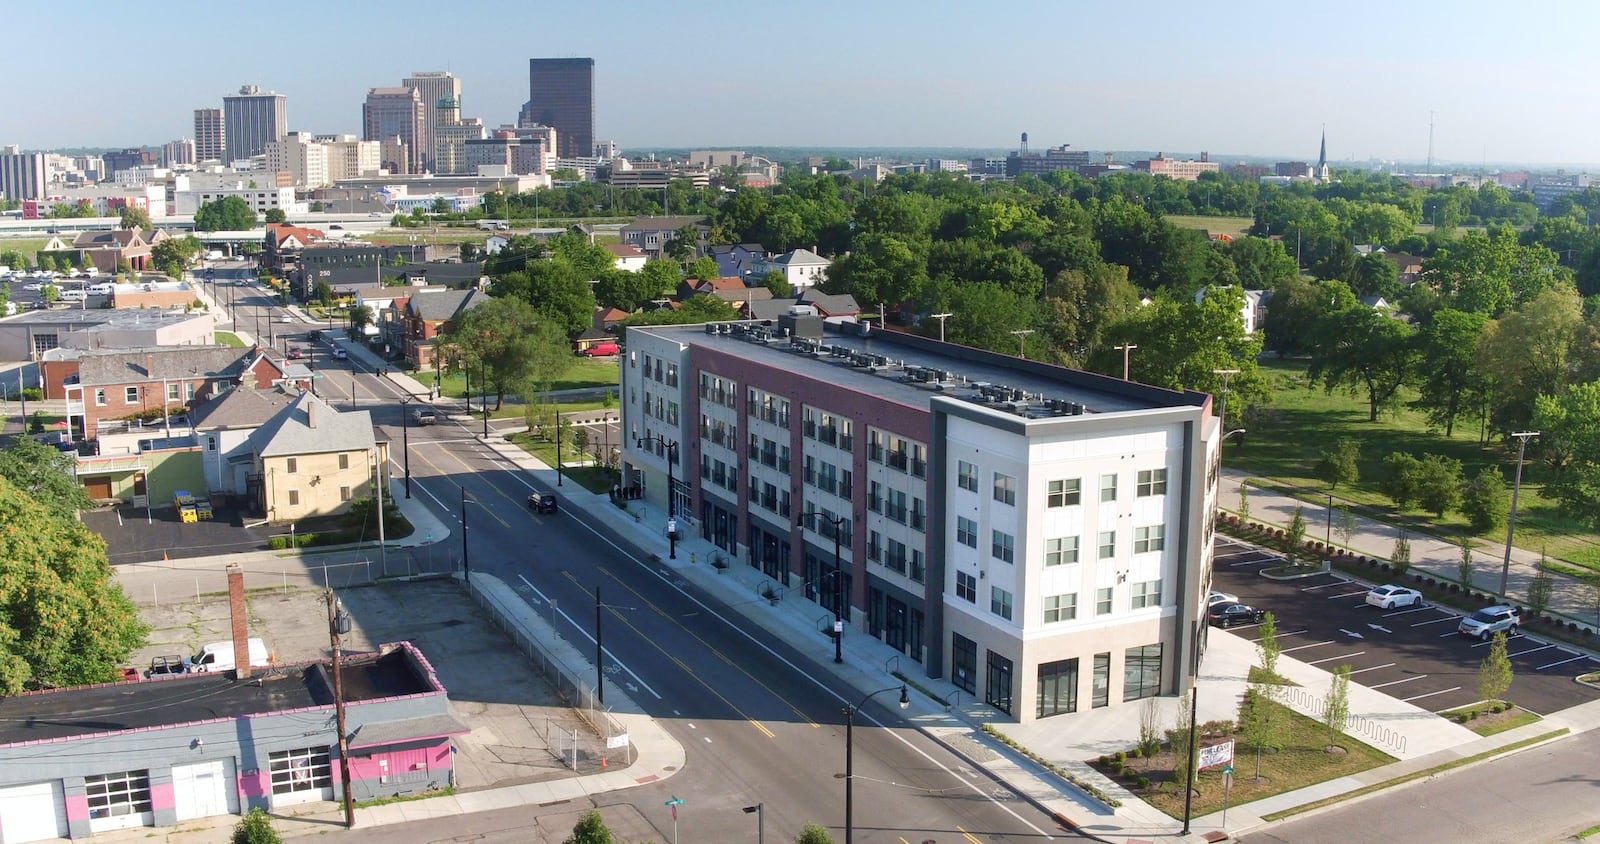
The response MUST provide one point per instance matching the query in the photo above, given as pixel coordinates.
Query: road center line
(1398, 682)
(563, 613)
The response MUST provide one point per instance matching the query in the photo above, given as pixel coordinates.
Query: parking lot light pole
(1511, 522)
(405, 440)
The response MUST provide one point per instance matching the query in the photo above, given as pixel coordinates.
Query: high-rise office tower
(177, 152)
(209, 140)
(23, 175)
(450, 134)
(561, 94)
(434, 88)
(251, 120)
(392, 113)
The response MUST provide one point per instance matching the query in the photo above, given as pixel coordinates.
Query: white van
(73, 295)
(218, 656)
(102, 288)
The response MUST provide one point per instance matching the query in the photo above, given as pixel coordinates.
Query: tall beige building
(208, 134)
(391, 113)
(450, 135)
(302, 157)
(434, 89)
(352, 158)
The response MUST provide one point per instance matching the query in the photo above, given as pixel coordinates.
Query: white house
(802, 267)
(1252, 311)
(495, 243)
(626, 256)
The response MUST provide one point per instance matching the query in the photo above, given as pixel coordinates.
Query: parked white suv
(1491, 620)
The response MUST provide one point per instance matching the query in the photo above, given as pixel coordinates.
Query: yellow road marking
(969, 836)
(492, 515)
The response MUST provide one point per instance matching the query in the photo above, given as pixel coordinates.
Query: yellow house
(313, 460)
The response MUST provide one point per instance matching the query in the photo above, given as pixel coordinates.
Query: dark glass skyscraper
(561, 95)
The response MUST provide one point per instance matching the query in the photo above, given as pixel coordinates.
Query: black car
(542, 502)
(1227, 615)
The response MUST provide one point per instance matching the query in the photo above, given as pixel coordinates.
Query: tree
(1261, 263)
(1244, 502)
(440, 206)
(64, 621)
(1258, 730)
(1532, 352)
(704, 268)
(1336, 706)
(1540, 588)
(1345, 524)
(1439, 484)
(778, 284)
(1183, 752)
(1492, 273)
(13, 259)
(1182, 344)
(1495, 672)
(1080, 305)
(1294, 542)
(1267, 647)
(1486, 500)
(682, 246)
(1400, 557)
(1361, 348)
(172, 255)
(132, 217)
(1401, 480)
(45, 475)
(880, 268)
(323, 292)
(590, 829)
(316, 207)
(1465, 565)
(1450, 382)
(255, 828)
(360, 318)
(50, 294)
(276, 215)
(502, 338)
(1339, 463)
(229, 214)
(813, 834)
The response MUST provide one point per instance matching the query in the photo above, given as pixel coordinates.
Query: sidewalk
(1429, 554)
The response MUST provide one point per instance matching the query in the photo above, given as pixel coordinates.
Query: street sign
(1216, 754)
(1227, 770)
(673, 804)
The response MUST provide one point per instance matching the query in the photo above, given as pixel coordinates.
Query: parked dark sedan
(1227, 615)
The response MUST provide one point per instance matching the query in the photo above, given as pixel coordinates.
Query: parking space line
(1373, 668)
(1405, 612)
(1490, 640)
(1533, 650)
(1430, 694)
(1398, 682)
(1290, 633)
(1562, 662)
(1324, 585)
(1332, 658)
(1303, 647)
(1252, 562)
(1245, 626)
(1349, 594)
(1436, 621)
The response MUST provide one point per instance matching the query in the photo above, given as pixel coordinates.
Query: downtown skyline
(1255, 81)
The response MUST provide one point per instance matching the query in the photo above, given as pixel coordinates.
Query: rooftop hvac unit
(711, 328)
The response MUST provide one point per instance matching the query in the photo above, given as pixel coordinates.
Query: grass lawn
(593, 478)
(1235, 226)
(229, 339)
(28, 246)
(1484, 721)
(1302, 419)
(581, 373)
(1304, 760)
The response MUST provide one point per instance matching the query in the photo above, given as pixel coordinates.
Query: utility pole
(1022, 341)
(466, 563)
(1511, 523)
(599, 652)
(1126, 349)
(339, 623)
(1222, 415)
(941, 318)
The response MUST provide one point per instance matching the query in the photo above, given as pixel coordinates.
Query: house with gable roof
(426, 314)
(801, 267)
(109, 388)
(311, 459)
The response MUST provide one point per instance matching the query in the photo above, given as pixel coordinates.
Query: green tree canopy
(276, 215)
(1532, 351)
(229, 214)
(1364, 349)
(133, 218)
(1182, 343)
(509, 341)
(1449, 383)
(1569, 430)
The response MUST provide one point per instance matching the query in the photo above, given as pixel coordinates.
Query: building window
(966, 587)
(1058, 688)
(1064, 493)
(875, 496)
(1102, 680)
(1152, 482)
(211, 443)
(919, 569)
(1141, 672)
(1102, 601)
(1108, 488)
(1000, 602)
(1005, 489)
(874, 546)
(963, 663)
(100, 398)
(896, 508)
(896, 557)
(1002, 546)
(130, 395)
(306, 769)
(967, 476)
(966, 531)
(1060, 608)
(1061, 551)
(1151, 538)
(294, 498)
(344, 493)
(997, 692)
(292, 465)
(1108, 544)
(173, 392)
(344, 461)
(116, 795)
(1146, 594)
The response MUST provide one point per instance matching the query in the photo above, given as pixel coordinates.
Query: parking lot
(1413, 654)
(134, 535)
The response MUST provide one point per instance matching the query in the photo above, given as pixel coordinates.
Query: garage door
(205, 789)
(98, 487)
(32, 813)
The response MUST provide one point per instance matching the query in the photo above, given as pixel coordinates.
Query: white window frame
(1152, 482)
(1061, 551)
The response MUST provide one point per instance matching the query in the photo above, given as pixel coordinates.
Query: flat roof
(88, 317)
(911, 370)
(188, 698)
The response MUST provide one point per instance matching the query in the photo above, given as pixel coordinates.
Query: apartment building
(209, 137)
(1039, 536)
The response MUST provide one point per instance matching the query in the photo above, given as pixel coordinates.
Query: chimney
(311, 414)
(241, 622)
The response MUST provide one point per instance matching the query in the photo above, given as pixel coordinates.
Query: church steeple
(1322, 157)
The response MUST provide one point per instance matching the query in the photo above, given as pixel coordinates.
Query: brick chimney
(241, 622)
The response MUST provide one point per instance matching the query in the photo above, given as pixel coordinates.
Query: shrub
(255, 828)
(1142, 782)
(1138, 753)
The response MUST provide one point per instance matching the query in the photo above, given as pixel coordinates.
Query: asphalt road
(1412, 654)
(760, 720)
(1542, 795)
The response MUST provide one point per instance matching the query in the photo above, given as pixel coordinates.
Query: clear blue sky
(1510, 83)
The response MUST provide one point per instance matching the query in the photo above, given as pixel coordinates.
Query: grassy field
(1303, 419)
(1234, 226)
(28, 246)
(229, 339)
(582, 373)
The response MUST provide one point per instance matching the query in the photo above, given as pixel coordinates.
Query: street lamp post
(1222, 415)
(483, 378)
(671, 448)
(405, 439)
(1511, 523)
(558, 445)
(759, 811)
(466, 563)
(849, 756)
(837, 573)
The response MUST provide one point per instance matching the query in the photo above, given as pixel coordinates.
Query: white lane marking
(1373, 668)
(1436, 621)
(1332, 658)
(1290, 633)
(1418, 608)
(1325, 585)
(1532, 650)
(1509, 638)
(1398, 682)
(1349, 595)
(614, 659)
(1562, 662)
(1430, 694)
(1303, 647)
